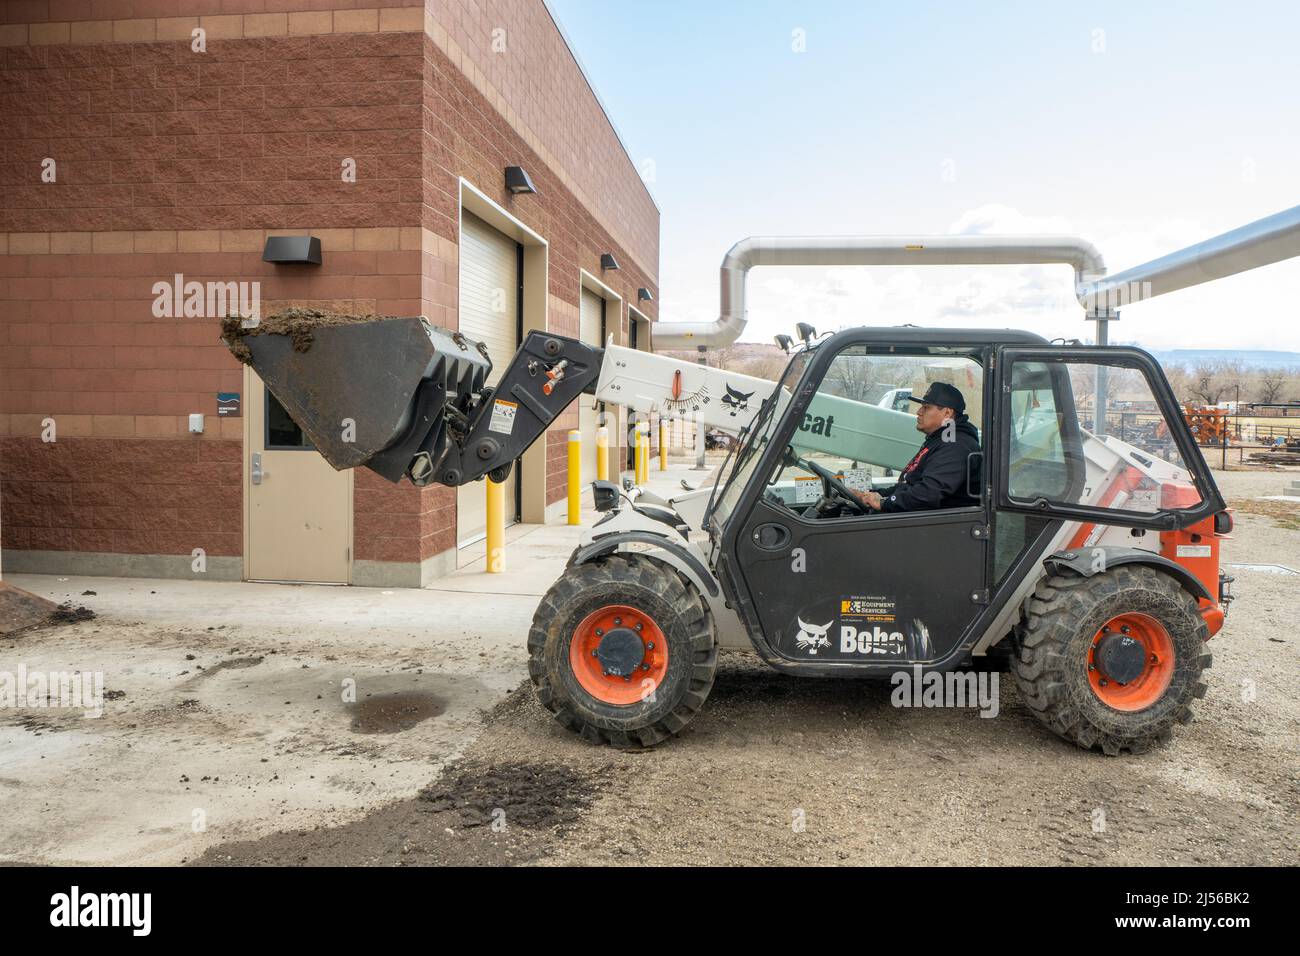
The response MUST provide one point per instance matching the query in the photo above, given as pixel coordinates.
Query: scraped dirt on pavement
(298, 324)
(21, 609)
(778, 770)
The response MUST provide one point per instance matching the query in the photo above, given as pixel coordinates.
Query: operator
(936, 475)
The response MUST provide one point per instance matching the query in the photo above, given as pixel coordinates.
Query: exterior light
(643, 295)
(517, 180)
(607, 261)
(300, 250)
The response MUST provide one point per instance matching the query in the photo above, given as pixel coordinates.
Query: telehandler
(1089, 567)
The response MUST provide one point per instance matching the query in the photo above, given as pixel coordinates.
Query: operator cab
(799, 557)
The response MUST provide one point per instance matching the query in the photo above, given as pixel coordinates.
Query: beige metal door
(489, 313)
(298, 509)
(590, 320)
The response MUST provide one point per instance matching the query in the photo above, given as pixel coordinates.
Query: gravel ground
(782, 770)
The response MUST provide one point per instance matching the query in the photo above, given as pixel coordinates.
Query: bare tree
(1271, 384)
(1211, 382)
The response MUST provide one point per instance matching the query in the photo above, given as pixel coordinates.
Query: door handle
(771, 537)
(257, 471)
(975, 458)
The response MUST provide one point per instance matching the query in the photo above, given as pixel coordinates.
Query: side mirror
(605, 495)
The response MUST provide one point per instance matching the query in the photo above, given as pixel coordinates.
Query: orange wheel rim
(1144, 688)
(618, 654)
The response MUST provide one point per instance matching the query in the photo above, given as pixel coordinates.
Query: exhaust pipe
(1086, 261)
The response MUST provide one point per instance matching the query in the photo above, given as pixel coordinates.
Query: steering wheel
(832, 488)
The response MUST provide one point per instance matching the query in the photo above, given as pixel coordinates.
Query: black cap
(943, 395)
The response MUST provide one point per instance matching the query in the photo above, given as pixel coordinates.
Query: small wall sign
(228, 404)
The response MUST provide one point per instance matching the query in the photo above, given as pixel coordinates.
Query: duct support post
(1103, 317)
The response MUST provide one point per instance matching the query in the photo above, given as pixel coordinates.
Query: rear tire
(1057, 647)
(663, 693)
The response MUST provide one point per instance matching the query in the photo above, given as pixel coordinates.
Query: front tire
(1112, 661)
(622, 651)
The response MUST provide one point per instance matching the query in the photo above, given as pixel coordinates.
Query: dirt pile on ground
(21, 609)
(299, 325)
(66, 613)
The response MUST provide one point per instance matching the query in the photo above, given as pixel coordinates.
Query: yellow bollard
(575, 477)
(663, 445)
(496, 526)
(602, 453)
(642, 453)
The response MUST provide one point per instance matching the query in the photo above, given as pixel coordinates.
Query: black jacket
(936, 476)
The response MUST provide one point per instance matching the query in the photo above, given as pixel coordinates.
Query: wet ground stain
(396, 712)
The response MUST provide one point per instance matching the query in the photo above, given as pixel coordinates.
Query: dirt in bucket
(299, 324)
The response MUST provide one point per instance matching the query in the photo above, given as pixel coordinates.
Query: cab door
(1094, 434)
(858, 591)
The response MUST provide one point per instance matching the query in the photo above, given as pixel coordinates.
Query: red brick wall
(128, 496)
(175, 162)
(249, 135)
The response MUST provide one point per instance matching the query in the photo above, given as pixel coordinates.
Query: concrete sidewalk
(238, 709)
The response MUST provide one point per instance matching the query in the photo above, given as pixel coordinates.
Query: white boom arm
(646, 382)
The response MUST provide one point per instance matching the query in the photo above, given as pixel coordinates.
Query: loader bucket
(371, 392)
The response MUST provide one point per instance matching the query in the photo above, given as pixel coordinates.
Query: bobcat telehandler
(1090, 565)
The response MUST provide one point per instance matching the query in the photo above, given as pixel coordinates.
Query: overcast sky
(1141, 127)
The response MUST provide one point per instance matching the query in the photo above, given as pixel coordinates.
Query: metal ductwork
(868, 251)
(1256, 244)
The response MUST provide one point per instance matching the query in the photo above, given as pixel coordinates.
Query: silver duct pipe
(867, 251)
(1256, 244)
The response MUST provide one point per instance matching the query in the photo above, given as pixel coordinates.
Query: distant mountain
(1249, 358)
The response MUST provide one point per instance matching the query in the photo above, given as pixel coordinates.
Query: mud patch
(67, 614)
(529, 795)
(299, 325)
(394, 713)
(232, 664)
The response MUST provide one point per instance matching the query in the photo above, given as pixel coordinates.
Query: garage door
(489, 313)
(589, 330)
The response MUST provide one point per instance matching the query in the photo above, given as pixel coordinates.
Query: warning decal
(503, 417)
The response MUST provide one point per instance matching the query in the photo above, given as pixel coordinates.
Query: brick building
(137, 151)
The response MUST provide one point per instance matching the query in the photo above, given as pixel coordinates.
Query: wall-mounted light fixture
(643, 295)
(286, 250)
(517, 180)
(607, 261)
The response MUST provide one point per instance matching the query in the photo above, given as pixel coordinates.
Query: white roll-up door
(589, 326)
(489, 313)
